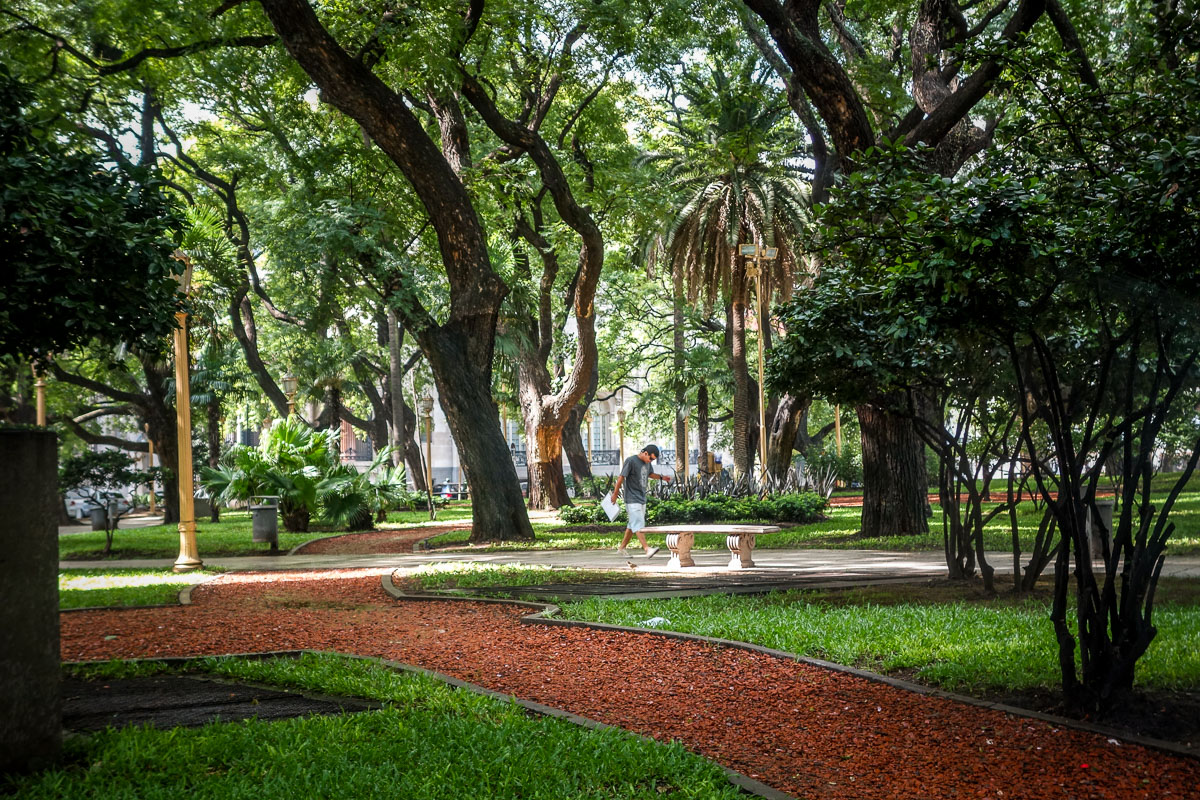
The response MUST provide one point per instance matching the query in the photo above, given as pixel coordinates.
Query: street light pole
(757, 255)
(39, 386)
(290, 384)
(587, 417)
(189, 557)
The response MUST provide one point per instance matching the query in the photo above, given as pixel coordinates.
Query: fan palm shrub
(291, 464)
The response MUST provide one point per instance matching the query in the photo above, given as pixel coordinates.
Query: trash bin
(99, 518)
(264, 513)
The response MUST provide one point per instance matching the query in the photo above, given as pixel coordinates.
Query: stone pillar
(30, 693)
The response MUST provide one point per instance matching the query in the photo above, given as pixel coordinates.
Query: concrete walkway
(839, 565)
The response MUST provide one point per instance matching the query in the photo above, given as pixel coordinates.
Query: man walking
(635, 474)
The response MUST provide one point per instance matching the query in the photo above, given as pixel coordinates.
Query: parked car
(454, 491)
(79, 503)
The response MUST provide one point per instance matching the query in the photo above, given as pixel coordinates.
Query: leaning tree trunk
(464, 390)
(413, 460)
(572, 440)
(895, 483)
(782, 436)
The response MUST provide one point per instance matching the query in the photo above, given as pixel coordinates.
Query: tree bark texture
(572, 439)
(742, 407)
(498, 509)
(702, 424)
(895, 483)
(782, 436)
(396, 384)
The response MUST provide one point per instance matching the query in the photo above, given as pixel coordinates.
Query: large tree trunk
(895, 483)
(702, 425)
(396, 384)
(543, 436)
(464, 390)
(162, 433)
(547, 489)
(572, 441)
(460, 350)
(742, 464)
(414, 462)
(784, 424)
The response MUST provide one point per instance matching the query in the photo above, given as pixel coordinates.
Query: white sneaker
(652, 552)
(622, 552)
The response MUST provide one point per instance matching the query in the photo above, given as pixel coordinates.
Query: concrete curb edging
(742, 782)
(545, 616)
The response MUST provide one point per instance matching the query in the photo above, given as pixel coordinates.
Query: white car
(79, 504)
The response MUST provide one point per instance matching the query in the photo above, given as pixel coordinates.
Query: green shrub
(589, 514)
(803, 507)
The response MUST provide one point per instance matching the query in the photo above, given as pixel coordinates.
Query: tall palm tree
(733, 167)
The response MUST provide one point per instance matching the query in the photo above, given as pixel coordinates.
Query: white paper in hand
(610, 508)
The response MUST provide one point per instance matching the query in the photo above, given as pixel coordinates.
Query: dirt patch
(806, 730)
(1170, 716)
(167, 701)
(375, 542)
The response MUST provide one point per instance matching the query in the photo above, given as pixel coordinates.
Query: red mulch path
(805, 730)
(372, 542)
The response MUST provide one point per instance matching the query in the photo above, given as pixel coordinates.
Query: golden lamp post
(587, 417)
(756, 255)
(39, 386)
(291, 385)
(189, 557)
(150, 444)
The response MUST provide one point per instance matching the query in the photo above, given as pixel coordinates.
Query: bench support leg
(740, 546)
(680, 545)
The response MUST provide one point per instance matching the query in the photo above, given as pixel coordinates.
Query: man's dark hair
(652, 449)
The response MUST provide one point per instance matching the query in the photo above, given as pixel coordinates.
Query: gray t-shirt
(636, 474)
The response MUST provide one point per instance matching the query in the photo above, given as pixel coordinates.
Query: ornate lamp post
(756, 255)
(189, 557)
(587, 417)
(39, 386)
(150, 444)
(290, 384)
(427, 413)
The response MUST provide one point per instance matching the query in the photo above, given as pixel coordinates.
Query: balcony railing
(600, 458)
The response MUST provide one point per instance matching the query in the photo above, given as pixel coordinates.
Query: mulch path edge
(542, 616)
(743, 782)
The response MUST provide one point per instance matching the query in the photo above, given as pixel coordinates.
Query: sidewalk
(836, 565)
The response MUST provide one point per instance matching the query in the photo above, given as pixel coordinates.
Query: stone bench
(738, 538)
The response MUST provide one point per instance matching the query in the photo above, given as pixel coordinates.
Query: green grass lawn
(839, 531)
(429, 741)
(229, 537)
(945, 635)
(89, 588)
